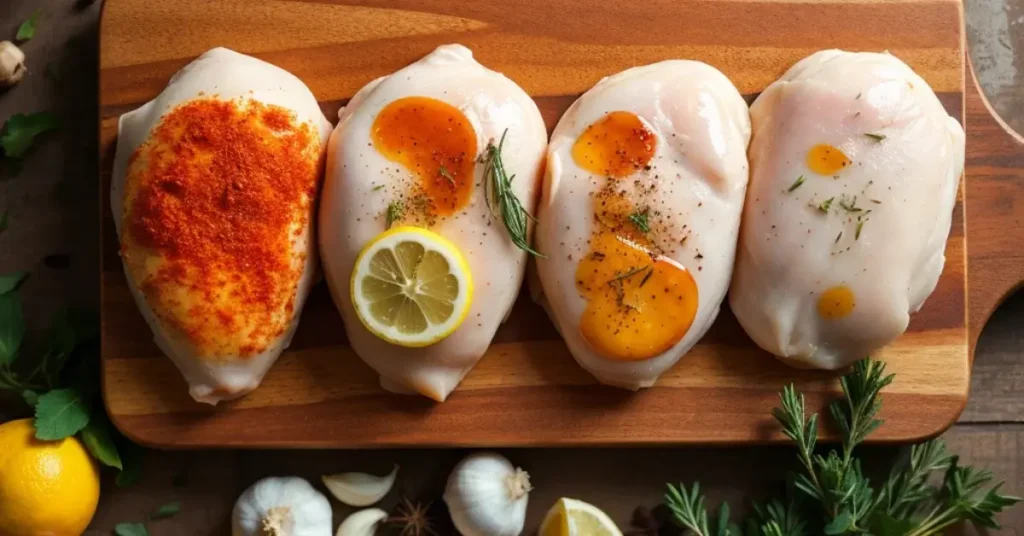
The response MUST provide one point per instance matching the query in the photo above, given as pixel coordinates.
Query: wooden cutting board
(528, 390)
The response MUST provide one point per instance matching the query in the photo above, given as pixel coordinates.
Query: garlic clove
(487, 496)
(281, 506)
(360, 489)
(362, 523)
(12, 64)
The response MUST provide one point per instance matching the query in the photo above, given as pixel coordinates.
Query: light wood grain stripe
(335, 373)
(171, 31)
(525, 417)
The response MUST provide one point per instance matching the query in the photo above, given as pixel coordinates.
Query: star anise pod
(413, 519)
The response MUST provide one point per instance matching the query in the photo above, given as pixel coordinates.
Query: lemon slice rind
(567, 515)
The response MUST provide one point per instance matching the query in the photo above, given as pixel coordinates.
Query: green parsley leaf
(168, 510)
(131, 529)
(11, 281)
(27, 30)
(61, 413)
(21, 130)
(12, 327)
(98, 441)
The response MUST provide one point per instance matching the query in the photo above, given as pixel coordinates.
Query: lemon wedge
(569, 517)
(411, 287)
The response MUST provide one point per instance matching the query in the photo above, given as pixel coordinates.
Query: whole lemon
(47, 488)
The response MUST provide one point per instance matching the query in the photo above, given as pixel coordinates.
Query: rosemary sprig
(825, 205)
(639, 219)
(877, 137)
(906, 505)
(498, 190)
(849, 204)
(860, 226)
(628, 273)
(688, 510)
(796, 184)
(646, 277)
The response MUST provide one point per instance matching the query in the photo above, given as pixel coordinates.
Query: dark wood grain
(527, 390)
(617, 480)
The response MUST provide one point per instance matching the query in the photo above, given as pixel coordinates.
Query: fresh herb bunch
(60, 381)
(832, 496)
(501, 200)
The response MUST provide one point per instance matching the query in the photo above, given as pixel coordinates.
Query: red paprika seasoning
(215, 202)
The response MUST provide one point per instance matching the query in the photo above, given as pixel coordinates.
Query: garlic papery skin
(362, 523)
(281, 506)
(360, 489)
(12, 64)
(486, 496)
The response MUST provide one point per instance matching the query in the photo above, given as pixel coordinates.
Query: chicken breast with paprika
(855, 166)
(213, 192)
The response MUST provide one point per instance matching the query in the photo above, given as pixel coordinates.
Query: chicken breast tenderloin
(646, 175)
(407, 152)
(854, 172)
(212, 196)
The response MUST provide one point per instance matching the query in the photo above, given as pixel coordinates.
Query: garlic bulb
(360, 489)
(12, 64)
(362, 523)
(281, 506)
(486, 496)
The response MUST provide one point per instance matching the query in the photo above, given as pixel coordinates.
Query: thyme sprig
(640, 220)
(501, 200)
(628, 273)
(834, 487)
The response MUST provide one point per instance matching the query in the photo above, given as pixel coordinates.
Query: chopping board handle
(994, 204)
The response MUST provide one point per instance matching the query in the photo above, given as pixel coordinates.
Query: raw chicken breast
(413, 140)
(855, 168)
(646, 174)
(212, 196)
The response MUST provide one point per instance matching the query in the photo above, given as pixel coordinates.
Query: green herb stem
(498, 190)
(639, 219)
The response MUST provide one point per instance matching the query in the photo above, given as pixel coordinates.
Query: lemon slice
(569, 517)
(411, 287)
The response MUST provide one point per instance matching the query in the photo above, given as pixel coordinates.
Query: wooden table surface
(54, 234)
